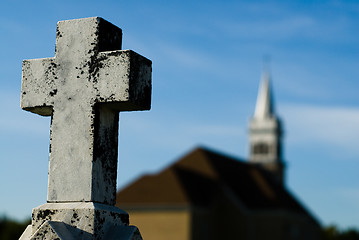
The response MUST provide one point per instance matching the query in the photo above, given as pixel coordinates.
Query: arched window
(260, 148)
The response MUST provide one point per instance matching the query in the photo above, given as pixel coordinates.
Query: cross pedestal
(83, 88)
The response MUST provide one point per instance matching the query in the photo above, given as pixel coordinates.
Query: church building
(209, 195)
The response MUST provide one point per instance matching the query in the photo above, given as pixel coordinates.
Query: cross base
(80, 220)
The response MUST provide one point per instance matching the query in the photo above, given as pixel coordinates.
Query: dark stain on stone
(53, 92)
(53, 64)
(95, 64)
(44, 215)
(51, 120)
(105, 149)
(99, 222)
(58, 33)
(125, 218)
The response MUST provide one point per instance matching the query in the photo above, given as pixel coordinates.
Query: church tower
(266, 133)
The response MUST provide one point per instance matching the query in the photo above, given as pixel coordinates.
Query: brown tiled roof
(201, 176)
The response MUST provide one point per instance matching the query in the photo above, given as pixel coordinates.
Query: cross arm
(124, 80)
(38, 85)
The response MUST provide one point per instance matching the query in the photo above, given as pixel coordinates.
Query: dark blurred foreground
(12, 230)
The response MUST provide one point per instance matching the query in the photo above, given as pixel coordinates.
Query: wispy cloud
(186, 57)
(215, 130)
(334, 126)
(169, 132)
(267, 29)
(273, 22)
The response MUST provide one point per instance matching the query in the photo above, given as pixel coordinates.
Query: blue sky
(207, 62)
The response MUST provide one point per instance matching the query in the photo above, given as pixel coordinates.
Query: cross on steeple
(83, 88)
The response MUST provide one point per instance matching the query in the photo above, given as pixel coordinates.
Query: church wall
(285, 226)
(162, 224)
(222, 220)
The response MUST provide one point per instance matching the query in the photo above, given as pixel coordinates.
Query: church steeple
(264, 107)
(266, 132)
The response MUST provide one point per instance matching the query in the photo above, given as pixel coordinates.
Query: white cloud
(185, 56)
(334, 126)
(215, 130)
(267, 29)
(169, 132)
(275, 22)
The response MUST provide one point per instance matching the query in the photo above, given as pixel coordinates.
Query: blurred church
(210, 195)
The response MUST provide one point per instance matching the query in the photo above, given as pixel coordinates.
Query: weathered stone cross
(83, 88)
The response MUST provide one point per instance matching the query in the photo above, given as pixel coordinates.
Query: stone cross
(83, 88)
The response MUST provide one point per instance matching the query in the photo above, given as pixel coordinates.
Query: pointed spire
(264, 105)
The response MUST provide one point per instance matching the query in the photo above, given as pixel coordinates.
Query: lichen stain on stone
(44, 214)
(58, 33)
(75, 218)
(95, 64)
(53, 92)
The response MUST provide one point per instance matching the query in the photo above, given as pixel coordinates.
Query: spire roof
(264, 105)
